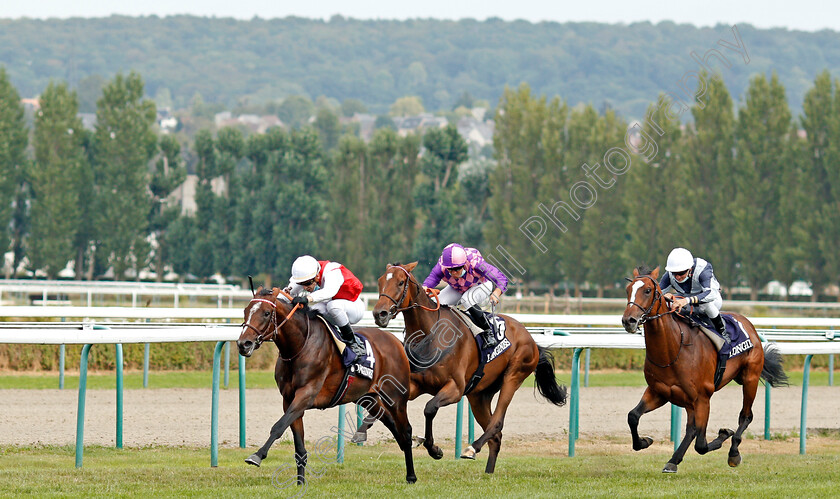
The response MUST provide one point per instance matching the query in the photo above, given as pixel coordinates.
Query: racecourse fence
(577, 332)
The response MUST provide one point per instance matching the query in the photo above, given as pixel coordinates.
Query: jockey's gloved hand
(300, 300)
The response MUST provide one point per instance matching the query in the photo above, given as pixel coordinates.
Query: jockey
(470, 281)
(331, 289)
(694, 279)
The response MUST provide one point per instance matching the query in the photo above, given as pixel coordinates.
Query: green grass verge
(378, 471)
(265, 379)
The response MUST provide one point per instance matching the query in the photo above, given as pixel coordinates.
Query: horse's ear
(259, 289)
(410, 266)
(655, 273)
(636, 272)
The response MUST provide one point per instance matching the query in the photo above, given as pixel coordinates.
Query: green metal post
(214, 407)
(586, 369)
(146, 365)
(360, 417)
(61, 350)
(119, 396)
(803, 417)
(339, 454)
(766, 411)
(241, 402)
(471, 424)
(573, 405)
(459, 428)
(227, 364)
(80, 414)
(676, 423)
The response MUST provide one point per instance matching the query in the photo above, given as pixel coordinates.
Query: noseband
(410, 279)
(272, 334)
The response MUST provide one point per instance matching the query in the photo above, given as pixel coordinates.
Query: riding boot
(351, 341)
(480, 320)
(721, 328)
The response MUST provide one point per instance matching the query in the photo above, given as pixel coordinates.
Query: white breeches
(341, 312)
(712, 309)
(473, 296)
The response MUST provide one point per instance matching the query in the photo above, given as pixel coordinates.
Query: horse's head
(643, 297)
(260, 320)
(397, 290)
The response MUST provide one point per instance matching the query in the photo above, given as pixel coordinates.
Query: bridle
(410, 279)
(274, 326)
(646, 317)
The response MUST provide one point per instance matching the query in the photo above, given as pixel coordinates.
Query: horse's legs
(511, 383)
(744, 418)
(690, 433)
(361, 434)
(300, 450)
(449, 394)
(302, 401)
(700, 422)
(480, 404)
(649, 402)
(396, 420)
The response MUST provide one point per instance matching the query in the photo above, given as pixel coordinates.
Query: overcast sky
(808, 15)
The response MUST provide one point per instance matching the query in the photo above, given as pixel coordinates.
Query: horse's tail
(546, 381)
(772, 371)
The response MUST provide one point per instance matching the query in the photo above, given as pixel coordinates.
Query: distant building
(184, 194)
(252, 122)
(419, 123)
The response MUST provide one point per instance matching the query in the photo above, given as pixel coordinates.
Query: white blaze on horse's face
(389, 276)
(636, 286)
(254, 310)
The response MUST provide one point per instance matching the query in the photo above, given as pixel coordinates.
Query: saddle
(485, 354)
(740, 343)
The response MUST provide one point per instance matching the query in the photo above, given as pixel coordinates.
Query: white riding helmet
(679, 259)
(305, 268)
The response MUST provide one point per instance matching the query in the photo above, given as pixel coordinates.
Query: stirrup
(489, 338)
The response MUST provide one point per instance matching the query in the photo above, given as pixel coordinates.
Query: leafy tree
(124, 143)
(328, 128)
(349, 107)
(407, 106)
(13, 141)
(762, 131)
(704, 218)
(295, 111)
(56, 179)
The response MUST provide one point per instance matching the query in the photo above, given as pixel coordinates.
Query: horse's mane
(264, 292)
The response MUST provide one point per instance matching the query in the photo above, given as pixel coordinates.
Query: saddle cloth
(358, 366)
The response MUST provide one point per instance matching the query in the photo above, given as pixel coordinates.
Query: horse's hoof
(734, 460)
(469, 453)
(644, 443)
(411, 479)
(359, 437)
(435, 452)
(669, 468)
(254, 459)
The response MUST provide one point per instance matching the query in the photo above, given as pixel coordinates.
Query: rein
(433, 293)
(262, 336)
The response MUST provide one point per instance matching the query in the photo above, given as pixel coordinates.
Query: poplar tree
(124, 143)
(13, 141)
(56, 177)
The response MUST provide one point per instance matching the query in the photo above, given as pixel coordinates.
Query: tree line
(232, 62)
(574, 197)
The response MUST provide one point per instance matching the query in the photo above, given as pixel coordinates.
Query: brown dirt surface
(181, 417)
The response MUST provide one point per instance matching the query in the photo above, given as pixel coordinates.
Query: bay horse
(680, 364)
(309, 372)
(444, 355)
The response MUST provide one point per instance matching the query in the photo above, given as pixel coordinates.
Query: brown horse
(680, 366)
(309, 372)
(444, 355)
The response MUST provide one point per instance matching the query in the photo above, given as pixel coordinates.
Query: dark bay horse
(309, 372)
(444, 356)
(680, 366)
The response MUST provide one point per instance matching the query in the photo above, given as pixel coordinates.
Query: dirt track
(182, 416)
